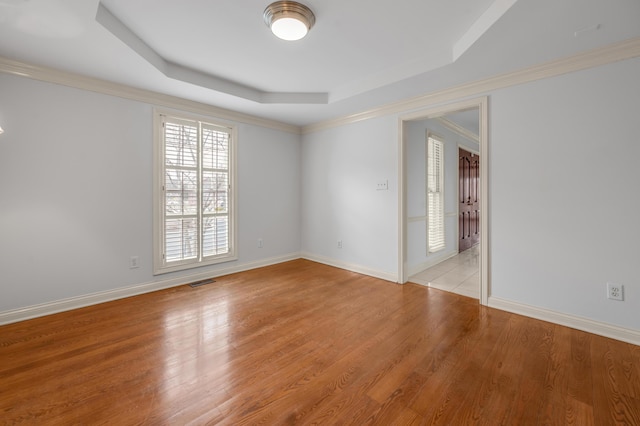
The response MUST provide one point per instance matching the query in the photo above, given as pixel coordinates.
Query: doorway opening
(461, 219)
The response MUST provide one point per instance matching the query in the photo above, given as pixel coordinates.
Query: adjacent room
(319, 212)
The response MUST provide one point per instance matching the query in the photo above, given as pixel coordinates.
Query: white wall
(269, 191)
(76, 193)
(340, 200)
(415, 169)
(564, 192)
(563, 221)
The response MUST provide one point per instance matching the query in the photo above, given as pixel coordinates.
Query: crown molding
(626, 49)
(50, 75)
(458, 129)
(616, 52)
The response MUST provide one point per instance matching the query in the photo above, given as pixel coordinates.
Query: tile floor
(458, 274)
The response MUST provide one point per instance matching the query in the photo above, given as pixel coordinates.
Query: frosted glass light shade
(1, 131)
(289, 20)
(289, 29)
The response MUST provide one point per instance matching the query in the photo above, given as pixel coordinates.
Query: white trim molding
(620, 51)
(91, 84)
(459, 130)
(387, 276)
(572, 321)
(57, 306)
(35, 311)
(482, 105)
(604, 55)
(416, 219)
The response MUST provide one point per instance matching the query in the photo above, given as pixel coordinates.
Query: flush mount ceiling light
(289, 20)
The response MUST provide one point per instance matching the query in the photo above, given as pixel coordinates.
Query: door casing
(482, 105)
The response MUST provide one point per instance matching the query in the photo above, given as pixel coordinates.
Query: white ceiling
(355, 46)
(360, 53)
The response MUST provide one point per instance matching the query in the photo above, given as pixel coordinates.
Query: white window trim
(159, 265)
(430, 135)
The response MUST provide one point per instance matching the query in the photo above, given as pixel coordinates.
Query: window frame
(160, 265)
(430, 136)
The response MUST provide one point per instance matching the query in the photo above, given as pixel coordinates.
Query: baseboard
(429, 263)
(579, 323)
(350, 267)
(57, 306)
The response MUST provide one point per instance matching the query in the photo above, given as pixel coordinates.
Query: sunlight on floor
(459, 274)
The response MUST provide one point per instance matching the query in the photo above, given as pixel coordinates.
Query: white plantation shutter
(435, 194)
(196, 207)
(180, 191)
(215, 191)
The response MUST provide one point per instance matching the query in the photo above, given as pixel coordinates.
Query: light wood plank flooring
(304, 343)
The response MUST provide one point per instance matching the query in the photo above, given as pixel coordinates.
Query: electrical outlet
(259, 242)
(134, 262)
(383, 185)
(615, 291)
(339, 243)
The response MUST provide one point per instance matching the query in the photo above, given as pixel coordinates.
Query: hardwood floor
(304, 343)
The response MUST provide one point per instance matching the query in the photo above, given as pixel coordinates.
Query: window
(435, 194)
(194, 221)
